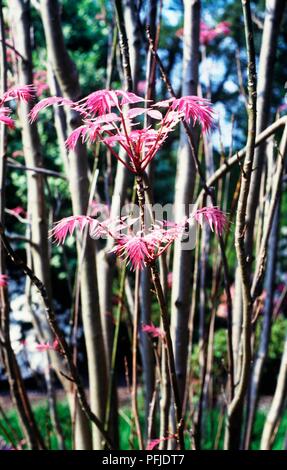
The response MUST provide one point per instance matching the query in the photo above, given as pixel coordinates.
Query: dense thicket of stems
(232, 435)
(67, 77)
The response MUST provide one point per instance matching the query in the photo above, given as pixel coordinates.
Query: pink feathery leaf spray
(197, 109)
(51, 100)
(67, 226)
(215, 218)
(107, 119)
(21, 93)
(97, 228)
(141, 249)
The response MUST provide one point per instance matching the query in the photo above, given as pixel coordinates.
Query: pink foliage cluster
(215, 218)
(153, 331)
(145, 246)
(208, 34)
(18, 211)
(109, 117)
(21, 93)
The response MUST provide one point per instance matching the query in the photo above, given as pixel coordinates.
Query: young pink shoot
(67, 226)
(155, 442)
(215, 218)
(22, 93)
(51, 100)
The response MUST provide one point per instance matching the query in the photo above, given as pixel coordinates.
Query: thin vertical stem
(232, 435)
(134, 362)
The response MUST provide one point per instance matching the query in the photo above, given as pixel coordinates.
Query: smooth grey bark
(184, 188)
(67, 77)
(82, 429)
(37, 211)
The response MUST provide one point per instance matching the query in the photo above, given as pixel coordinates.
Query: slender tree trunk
(67, 77)
(37, 212)
(82, 430)
(275, 412)
(184, 188)
(147, 354)
(129, 43)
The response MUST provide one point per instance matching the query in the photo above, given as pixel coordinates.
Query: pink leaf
(154, 114)
(51, 100)
(155, 442)
(216, 219)
(68, 225)
(128, 97)
(22, 93)
(164, 103)
(136, 112)
(73, 138)
(107, 118)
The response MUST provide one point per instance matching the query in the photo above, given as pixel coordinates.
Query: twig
(9, 46)
(43, 171)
